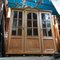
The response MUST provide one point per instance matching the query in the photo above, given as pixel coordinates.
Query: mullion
(35, 27)
(32, 23)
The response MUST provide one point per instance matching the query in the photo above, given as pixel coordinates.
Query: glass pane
(29, 23)
(34, 23)
(20, 14)
(48, 25)
(19, 31)
(13, 32)
(29, 16)
(14, 23)
(44, 24)
(45, 17)
(49, 32)
(34, 16)
(20, 23)
(29, 31)
(15, 14)
(35, 32)
(44, 32)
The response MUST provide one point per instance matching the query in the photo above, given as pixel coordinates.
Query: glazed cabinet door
(32, 34)
(47, 33)
(16, 36)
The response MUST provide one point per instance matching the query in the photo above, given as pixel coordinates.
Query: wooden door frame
(52, 29)
(10, 27)
(36, 12)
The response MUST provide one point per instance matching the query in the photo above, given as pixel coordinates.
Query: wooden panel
(58, 43)
(32, 45)
(48, 46)
(15, 44)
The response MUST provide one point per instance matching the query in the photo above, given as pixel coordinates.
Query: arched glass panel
(46, 25)
(32, 28)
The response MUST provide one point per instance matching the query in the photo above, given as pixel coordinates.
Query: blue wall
(45, 5)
